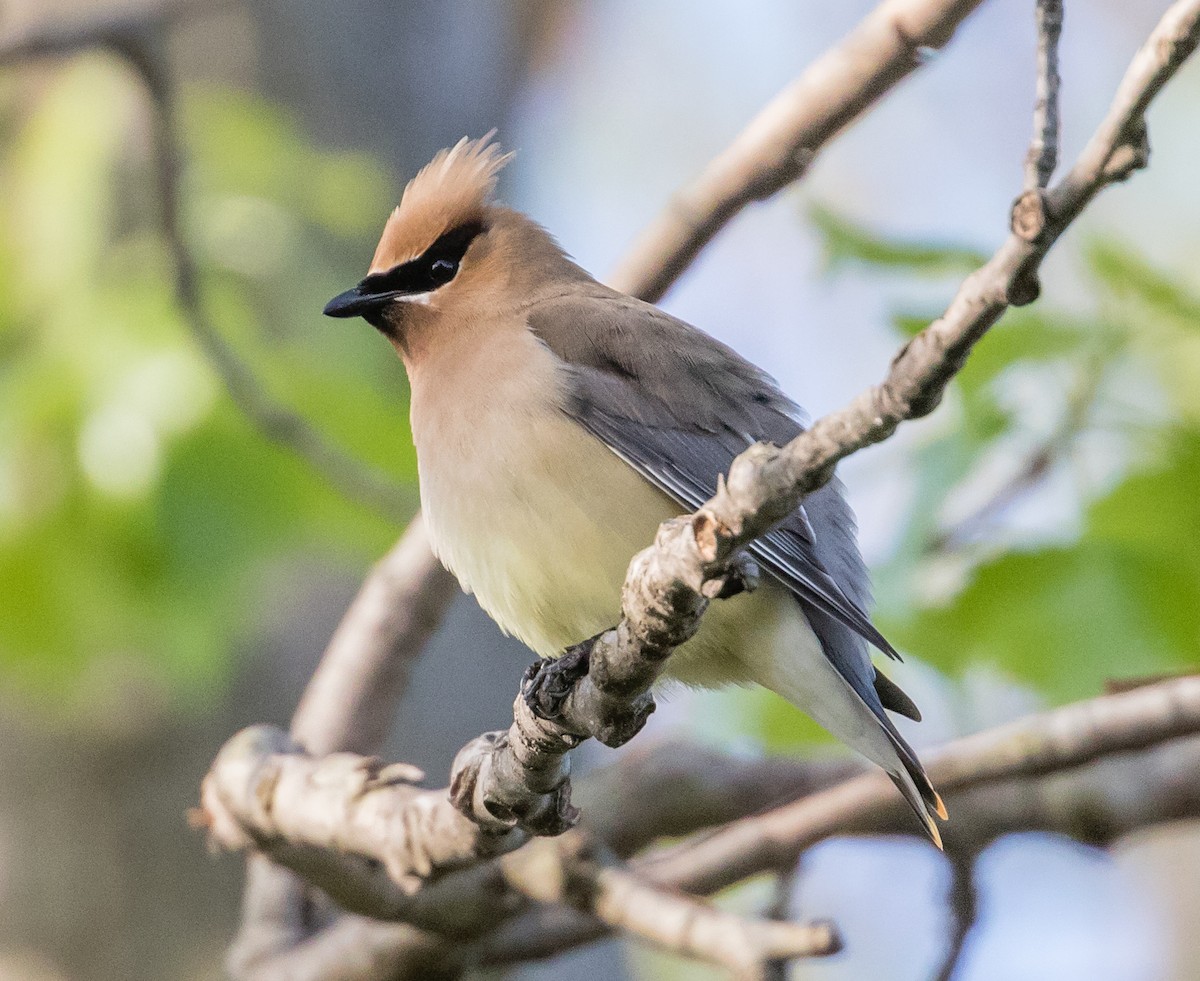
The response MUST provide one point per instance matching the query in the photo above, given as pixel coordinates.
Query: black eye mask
(433, 268)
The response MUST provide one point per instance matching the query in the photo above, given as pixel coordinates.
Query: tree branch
(365, 835)
(1043, 151)
(781, 142)
(1094, 771)
(1005, 759)
(551, 872)
(521, 777)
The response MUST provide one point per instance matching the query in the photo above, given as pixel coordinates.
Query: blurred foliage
(846, 243)
(138, 508)
(1115, 592)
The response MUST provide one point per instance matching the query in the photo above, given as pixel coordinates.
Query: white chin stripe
(416, 298)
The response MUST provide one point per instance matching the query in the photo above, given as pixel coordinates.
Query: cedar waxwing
(558, 422)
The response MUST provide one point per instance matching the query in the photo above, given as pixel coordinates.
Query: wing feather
(678, 413)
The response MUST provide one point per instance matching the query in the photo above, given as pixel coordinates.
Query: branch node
(617, 728)
(1030, 214)
(1024, 289)
(1130, 156)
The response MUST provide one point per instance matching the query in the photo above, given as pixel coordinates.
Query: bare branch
(781, 142)
(1010, 756)
(1043, 151)
(349, 704)
(363, 833)
(1056, 771)
(1095, 771)
(521, 777)
(323, 815)
(549, 873)
(668, 788)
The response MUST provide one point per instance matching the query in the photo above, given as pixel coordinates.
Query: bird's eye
(443, 270)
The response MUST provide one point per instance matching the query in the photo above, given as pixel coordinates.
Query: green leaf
(1156, 512)
(846, 243)
(1065, 619)
(1126, 274)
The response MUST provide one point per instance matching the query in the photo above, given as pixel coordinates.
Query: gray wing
(678, 411)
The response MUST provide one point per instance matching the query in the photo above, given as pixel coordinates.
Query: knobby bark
(1095, 770)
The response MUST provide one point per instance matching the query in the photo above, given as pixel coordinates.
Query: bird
(558, 422)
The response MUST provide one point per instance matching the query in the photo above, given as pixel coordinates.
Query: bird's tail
(846, 704)
(913, 783)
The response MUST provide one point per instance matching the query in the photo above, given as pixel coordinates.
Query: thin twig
(1043, 151)
(962, 905)
(1033, 468)
(578, 876)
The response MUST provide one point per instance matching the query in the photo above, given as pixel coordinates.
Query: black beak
(358, 302)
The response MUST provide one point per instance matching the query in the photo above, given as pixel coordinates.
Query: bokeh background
(169, 573)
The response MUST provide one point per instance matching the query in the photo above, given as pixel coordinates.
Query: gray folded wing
(678, 406)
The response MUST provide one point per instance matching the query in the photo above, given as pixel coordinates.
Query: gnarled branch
(1095, 771)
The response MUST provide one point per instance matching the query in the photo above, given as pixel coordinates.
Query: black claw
(741, 577)
(549, 681)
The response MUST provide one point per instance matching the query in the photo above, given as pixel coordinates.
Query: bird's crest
(454, 188)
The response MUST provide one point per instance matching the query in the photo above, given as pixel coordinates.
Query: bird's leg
(548, 681)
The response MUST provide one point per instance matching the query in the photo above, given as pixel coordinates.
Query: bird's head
(449, 253)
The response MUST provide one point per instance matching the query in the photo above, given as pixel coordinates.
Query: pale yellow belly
(539, 519)
(544, 545)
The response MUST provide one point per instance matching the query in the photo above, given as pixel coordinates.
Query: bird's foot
(741, 576)
(549, 681)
